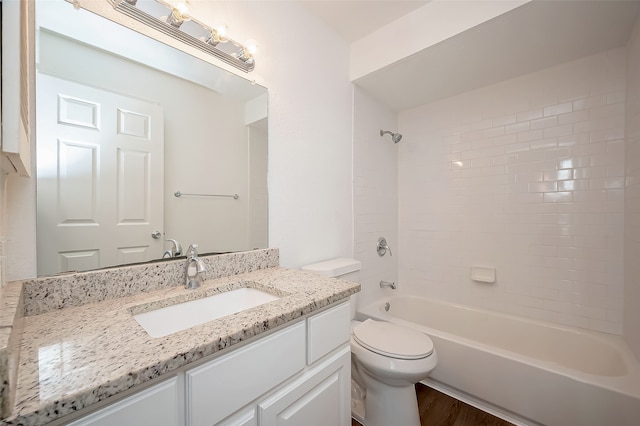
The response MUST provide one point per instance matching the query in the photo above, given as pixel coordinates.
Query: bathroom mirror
(139, 142)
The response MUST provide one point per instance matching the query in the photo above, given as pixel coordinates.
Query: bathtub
(525, 371)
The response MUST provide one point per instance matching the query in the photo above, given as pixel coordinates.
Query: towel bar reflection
(180, 194)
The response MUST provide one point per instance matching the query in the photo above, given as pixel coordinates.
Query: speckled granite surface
(11, 326)
(73, 357)
(45, 294)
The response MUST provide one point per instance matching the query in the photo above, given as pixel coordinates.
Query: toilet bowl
(390, 360)
(387, 360)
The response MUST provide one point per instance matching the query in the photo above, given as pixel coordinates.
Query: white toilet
(387, 360)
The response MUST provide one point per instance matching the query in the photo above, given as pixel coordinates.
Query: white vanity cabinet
(158, 405)
(300, 375)
(320, 397)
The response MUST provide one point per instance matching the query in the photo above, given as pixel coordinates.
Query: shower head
(395, 137)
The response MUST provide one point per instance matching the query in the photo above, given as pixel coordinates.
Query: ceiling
(353, 20)
(529, 38)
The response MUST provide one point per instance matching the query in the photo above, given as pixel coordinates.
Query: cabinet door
(18, 87)
(320, 397)
(156, 406)
(327, 331)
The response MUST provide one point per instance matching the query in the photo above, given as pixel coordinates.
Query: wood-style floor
(438, 409)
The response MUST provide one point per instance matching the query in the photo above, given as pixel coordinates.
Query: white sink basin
(164, 321)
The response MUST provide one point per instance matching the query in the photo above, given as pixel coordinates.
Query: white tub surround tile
(375, 193)
(526, 175)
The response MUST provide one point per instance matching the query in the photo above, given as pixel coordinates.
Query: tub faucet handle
(382, 247)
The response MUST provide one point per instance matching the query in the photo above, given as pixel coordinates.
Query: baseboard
(478, 403)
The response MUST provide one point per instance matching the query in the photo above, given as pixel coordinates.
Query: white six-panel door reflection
(100, 163)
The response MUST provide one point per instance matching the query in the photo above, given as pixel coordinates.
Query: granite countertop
(73, 357)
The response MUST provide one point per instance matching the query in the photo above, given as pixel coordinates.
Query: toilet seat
(392, 340)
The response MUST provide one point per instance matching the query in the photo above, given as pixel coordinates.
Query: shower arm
(395, 137)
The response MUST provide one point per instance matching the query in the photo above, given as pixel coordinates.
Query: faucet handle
(382, 247)
(200, 267)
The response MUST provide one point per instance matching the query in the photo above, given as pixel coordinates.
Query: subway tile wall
(375, 194)
(527, 176)
(632, 196)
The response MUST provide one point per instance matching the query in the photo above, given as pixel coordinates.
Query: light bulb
(223, 31)
(175, 19)
(251, 47)
(182, 7)
(218, 34)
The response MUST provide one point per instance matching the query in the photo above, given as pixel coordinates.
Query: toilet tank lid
(334, 267)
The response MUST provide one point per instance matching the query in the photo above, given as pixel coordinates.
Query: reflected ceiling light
(175, 18)
(250, 48)
(218, 34)
(172, 17)
(180, 6)
(178, 15)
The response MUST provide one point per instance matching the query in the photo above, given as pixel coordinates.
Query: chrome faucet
(174, 251)
(194, 269)
(388, 284)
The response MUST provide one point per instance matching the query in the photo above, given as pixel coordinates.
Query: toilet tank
(343, 268)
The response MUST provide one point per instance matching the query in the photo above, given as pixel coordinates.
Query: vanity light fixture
(171, 17)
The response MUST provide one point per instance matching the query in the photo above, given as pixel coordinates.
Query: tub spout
(384, 284)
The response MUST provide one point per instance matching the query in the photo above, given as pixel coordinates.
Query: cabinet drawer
(327, 331)
(320, 397)
(156, 406)
(219, 388)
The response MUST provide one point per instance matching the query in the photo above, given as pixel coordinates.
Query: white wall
(258, 220)
(632, 196)
(305, 66)
(528, 176)
(375, 194)
(20, 215)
